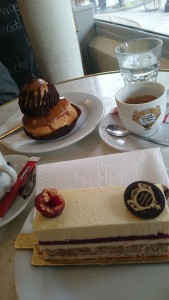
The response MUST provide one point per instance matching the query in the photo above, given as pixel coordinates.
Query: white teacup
(8, 177)
(142, 107)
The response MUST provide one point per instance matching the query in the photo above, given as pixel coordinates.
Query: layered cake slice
(97, 224)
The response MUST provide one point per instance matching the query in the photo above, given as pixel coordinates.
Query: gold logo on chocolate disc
(147, 117)
(142, 197)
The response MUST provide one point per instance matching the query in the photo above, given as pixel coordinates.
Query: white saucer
(129, 143)
(19, 204)
(91, 113)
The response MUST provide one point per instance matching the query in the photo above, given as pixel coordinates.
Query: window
(117, 21)
(149, 15)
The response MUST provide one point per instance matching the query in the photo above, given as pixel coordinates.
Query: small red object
(21, 179)
(50, 203)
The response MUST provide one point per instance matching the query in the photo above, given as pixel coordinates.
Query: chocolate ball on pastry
(46, 114)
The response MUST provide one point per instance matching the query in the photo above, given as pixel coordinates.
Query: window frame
(122, 33)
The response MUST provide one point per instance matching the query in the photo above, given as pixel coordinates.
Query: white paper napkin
(108, 170)
(14, 120)
(17, 140)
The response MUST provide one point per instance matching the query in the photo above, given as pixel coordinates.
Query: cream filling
(137, 251)
(110, 244)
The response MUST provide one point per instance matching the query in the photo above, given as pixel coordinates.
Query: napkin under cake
(96, 226)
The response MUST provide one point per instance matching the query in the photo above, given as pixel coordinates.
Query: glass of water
(139, 59)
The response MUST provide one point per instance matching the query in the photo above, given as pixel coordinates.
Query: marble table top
(102, 85)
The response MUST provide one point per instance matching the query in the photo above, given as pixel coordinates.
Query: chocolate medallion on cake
(144, 199)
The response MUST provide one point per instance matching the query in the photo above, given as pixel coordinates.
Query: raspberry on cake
(97, 227)
(46, 114)
(50, 203)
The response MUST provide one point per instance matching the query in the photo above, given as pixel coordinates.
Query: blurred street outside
(154, 20)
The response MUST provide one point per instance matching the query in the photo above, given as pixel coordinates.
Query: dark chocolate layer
(107, 240)
(37, 97)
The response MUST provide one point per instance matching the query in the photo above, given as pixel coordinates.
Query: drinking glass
(139, 59)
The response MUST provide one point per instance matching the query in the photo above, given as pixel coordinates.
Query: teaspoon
(120, 131)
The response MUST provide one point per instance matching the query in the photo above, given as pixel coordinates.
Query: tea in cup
(142, 107)
(8, 177)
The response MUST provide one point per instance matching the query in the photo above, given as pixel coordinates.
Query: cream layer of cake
(61, 115)
(95, 223)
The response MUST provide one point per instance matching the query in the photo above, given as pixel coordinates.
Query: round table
(102, 85)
